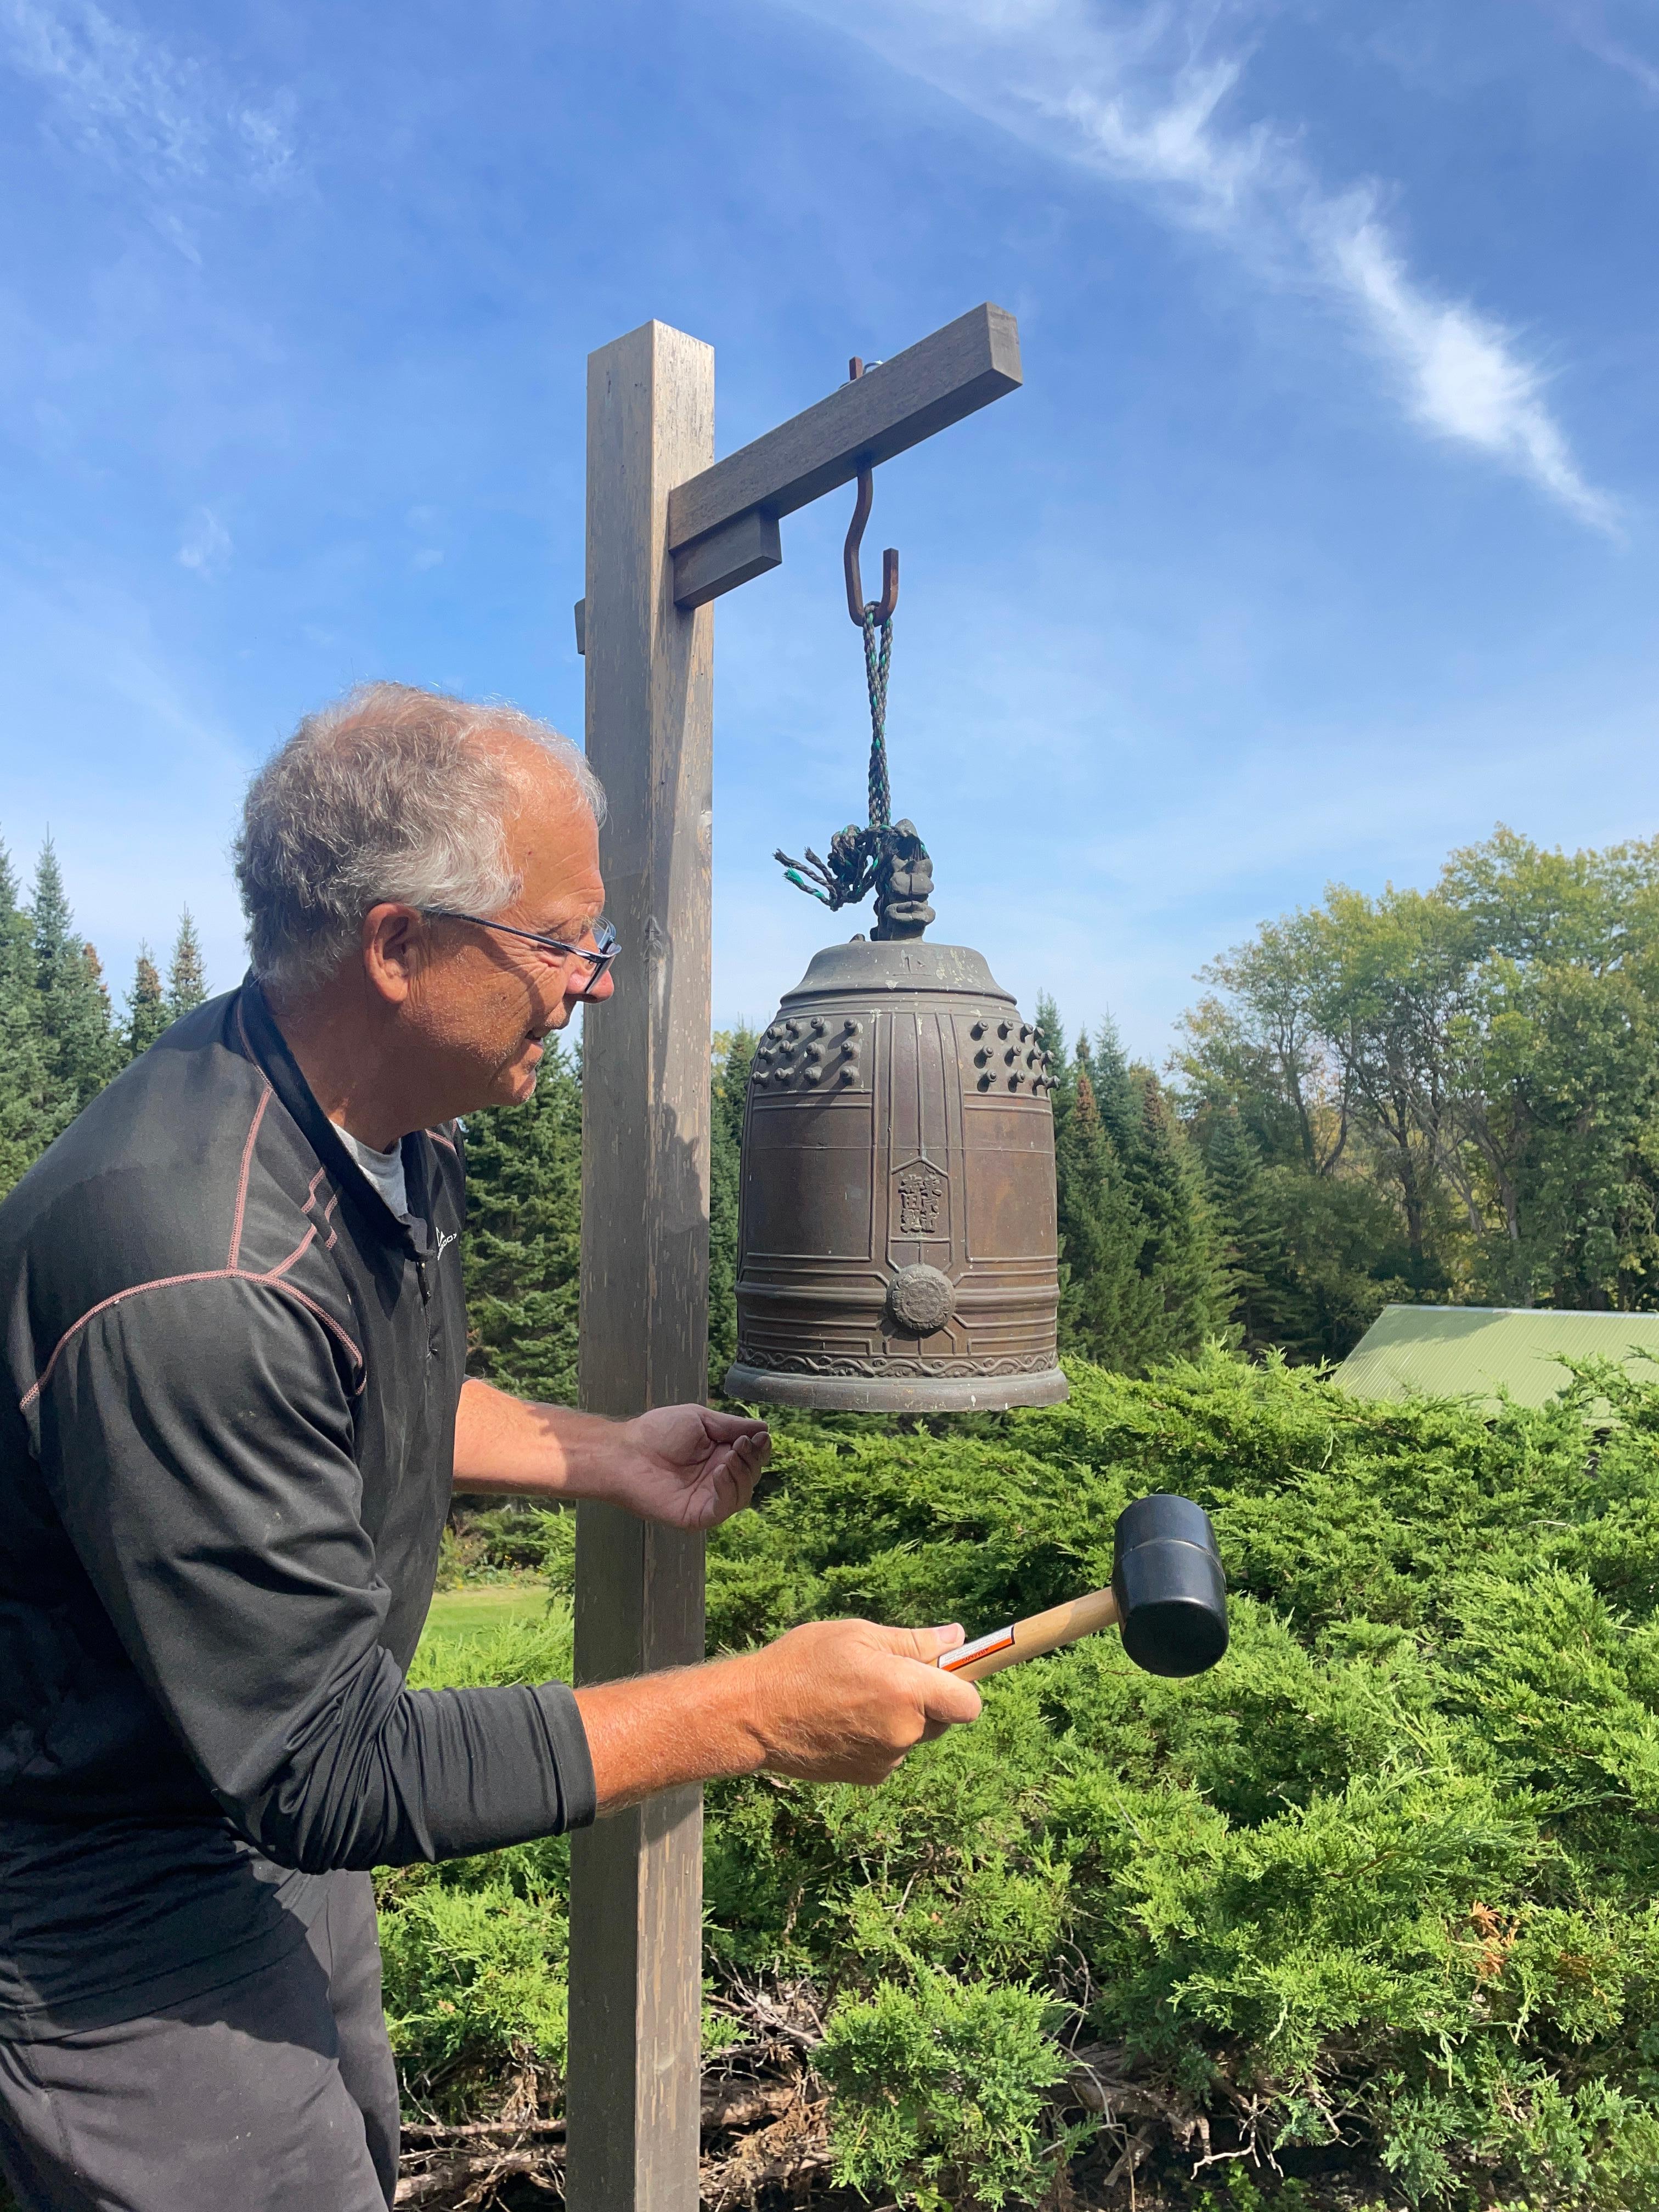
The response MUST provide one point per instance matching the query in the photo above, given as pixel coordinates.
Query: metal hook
(883, 608)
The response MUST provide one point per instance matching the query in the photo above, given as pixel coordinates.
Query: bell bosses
(236, 1405)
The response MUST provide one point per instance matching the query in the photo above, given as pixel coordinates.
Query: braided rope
(878, 660)
(861, 860)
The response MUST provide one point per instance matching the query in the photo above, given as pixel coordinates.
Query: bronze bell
(897, 1239)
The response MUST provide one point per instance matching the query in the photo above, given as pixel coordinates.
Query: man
(235, 1343)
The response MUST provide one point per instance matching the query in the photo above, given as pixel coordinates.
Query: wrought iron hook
(883, 608)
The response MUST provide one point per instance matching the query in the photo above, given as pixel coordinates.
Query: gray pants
(277, 2093)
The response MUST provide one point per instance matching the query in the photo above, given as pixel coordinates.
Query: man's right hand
(834, 1701)
(844, 1700)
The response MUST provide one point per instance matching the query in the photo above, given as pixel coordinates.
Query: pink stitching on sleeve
(276, 1273)
(323, 1315)
(171, 1282)
(236, 1252)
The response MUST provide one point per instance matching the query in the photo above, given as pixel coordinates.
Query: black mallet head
(1166, 1598)
(1171, 1594)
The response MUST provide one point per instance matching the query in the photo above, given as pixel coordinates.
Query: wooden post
(668, 532)
(636, 1879)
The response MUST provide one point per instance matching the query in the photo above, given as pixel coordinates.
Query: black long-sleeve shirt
(226, 1436)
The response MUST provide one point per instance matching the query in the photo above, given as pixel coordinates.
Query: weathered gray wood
(728, 557)
(636, 1880)
(892, 406)
(635, 1938)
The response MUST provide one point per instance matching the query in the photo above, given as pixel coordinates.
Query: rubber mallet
(1168, 1596)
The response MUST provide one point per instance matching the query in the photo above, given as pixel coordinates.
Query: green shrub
(517, 1650)
(505, 1543)
(942, 2082)
(475, 1986)
(1379, 1892)
(474, 1949)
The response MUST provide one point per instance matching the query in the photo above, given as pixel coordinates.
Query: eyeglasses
(598, 958)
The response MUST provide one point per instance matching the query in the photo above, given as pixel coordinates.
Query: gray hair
(386, 794)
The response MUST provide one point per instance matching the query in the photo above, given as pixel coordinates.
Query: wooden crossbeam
(715, 521)
(723, 522)
(893, 406)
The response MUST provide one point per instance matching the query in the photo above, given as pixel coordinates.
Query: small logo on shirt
(446, 1239)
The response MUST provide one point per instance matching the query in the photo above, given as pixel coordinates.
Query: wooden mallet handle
(1029, 1639)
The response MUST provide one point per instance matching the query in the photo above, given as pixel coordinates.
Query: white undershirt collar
(385, 1171)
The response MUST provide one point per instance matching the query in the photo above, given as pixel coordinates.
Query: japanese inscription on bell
(921, 1190)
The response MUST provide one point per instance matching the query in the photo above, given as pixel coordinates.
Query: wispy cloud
(1148, 95)
(1587, 23)
(117, 95)
(205, 547)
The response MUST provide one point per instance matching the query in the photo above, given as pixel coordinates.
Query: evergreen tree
(1252, 1247)
(1107, 1311)
(146, 1005)
(186, 979)
(81, 1049)
(1074, 1237)
(733, 1050)
(32, 1111)
(1118, 1093)
(1051, 1039)
(522, 1250)
(1181, 1257)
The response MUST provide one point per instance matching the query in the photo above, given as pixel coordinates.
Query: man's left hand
(686, 1465)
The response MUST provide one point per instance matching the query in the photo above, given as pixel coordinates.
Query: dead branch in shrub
(732, 2104)
(779, 2127)
(457, 2184)
(765, 2120)
(788, 2017)
(1099, 2083)
(431, 2134)
(789, 2149)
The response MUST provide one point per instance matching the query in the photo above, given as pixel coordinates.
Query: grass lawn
(480, 1608)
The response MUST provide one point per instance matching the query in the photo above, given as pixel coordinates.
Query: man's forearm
(683, 1465)
(510, 1447)
(833, 1701)
(657, 1731)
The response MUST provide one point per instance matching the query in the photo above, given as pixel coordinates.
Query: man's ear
(394, 950)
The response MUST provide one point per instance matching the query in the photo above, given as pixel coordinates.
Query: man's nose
(600, 988)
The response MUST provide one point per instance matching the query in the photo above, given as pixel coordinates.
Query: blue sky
(1321, 538)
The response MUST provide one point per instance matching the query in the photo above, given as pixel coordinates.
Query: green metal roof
(1471, 1352)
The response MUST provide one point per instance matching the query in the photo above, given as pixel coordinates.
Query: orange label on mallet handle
(999, 1639)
